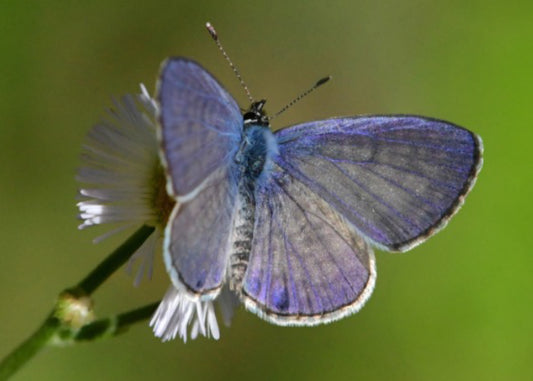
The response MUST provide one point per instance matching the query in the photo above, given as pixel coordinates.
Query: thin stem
(56, 328)
(29, 348)
(114, 325)
(116, 259)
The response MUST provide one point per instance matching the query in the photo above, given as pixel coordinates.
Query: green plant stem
(116, 259)
(53, 328)
(114, 325)
(29, 348)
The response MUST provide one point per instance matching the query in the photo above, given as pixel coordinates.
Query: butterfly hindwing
(197, 236)
(397, 179)
(306, 265)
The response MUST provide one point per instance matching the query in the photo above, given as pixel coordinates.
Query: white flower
(124, 185)
(120, 163)
(122, 176)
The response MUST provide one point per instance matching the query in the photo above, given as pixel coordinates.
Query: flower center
(161, 202)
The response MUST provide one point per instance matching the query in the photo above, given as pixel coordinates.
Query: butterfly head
(255, 115)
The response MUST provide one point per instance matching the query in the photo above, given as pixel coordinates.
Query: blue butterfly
(289, 218)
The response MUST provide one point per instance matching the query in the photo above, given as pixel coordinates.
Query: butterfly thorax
(257, 145)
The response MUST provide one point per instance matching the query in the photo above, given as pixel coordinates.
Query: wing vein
(306, 213)
(320, 187)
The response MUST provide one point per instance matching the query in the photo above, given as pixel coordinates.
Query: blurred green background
(459, 307)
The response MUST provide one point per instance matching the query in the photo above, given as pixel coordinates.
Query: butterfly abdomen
(250, 158)
(242, 236)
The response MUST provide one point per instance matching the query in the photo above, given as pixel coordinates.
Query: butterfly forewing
(397, 179)
(306, 265)
(201, 124)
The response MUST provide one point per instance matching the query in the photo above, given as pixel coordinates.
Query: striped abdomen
(251, 159)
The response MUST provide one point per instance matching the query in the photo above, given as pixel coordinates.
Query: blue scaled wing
(307, 265)
(196, 246)
(200, 124)
(335, 186)
(200, 131)
(397, 179)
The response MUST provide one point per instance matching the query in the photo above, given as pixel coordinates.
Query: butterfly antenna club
(318, 83)
(214, 35)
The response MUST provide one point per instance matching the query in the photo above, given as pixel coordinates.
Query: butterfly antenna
(214, 36)
(319, 83)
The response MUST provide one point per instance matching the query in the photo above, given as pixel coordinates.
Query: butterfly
(289, 218)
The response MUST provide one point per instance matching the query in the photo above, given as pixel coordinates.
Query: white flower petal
(212, 325)
(177, 311)
(145, 255)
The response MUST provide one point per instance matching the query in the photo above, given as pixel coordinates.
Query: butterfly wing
(397, 179)
(200, 131)
(197, 237)
(307, 265)
(334, 186)
(201, 124)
